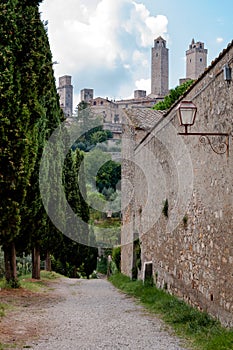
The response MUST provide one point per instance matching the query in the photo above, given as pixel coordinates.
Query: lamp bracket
(205, 138)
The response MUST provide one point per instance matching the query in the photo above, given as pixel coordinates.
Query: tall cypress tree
(37, 226)
(29, 111)
(20, 114)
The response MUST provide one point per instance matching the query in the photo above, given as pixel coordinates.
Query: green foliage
(13, 283)
(198, 328)
(29, 112)
(102, 265)
(93, 275)
(116, 257)
(102, 174)
(96, 200)
(91, 128)
(20, 110)
(108, 176)
(24, 265)
(2, 309)
(137, 258)
(92, 162)
(173, 96)
(108, 231)
(81, 106)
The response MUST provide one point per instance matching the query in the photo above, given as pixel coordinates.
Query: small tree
(116, 257)
(173, 96)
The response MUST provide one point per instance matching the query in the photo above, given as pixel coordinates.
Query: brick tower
(65, 91)
(196, 60)
(159, 68)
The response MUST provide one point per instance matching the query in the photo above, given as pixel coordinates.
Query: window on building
(200, 59)
(94, 103)
(101, 102)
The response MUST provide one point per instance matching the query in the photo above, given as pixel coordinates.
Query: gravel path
(94, 315)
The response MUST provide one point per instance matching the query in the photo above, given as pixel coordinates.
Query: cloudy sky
(106, 44)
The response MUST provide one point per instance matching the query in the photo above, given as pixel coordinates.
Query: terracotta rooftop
(143, 118)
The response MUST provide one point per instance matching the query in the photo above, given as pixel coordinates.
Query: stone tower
(87, 95)
(159, 68)
(65, 91)
(196, 60)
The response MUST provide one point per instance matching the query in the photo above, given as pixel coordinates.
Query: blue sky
(106, 44)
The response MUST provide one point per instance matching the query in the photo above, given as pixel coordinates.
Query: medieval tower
(87, 95)
(65, 91)
(159, 68)
(196, 60)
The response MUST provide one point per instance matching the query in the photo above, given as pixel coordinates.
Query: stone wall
(192, 248)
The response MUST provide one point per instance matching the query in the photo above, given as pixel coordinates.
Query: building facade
(177, 196)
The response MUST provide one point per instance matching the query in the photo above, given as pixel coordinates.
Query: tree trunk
(10, 263)
(75, 272)
(36, 262)
(48, 265)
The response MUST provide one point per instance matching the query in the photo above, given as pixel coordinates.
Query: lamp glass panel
(187, 116)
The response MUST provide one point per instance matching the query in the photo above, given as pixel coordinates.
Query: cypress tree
(20, 114)
(38, 228)
(29, 111)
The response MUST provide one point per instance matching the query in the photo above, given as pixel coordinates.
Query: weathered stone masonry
(192, 249)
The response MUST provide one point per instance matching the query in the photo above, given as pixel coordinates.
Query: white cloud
(219, 40)
(143, 84)
(103, 44)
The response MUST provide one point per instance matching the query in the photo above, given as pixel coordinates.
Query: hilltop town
(111, 110)
(177, 212)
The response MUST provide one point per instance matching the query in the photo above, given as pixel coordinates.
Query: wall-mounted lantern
(186, 112)
(227, 73)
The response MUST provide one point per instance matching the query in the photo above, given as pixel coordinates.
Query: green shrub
(116, 257)
(102, 265)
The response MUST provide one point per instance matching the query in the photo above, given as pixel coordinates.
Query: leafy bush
(173, 96)
(93, 275)
(116, 257)
(102, 265)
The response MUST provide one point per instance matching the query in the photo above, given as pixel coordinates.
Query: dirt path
(90, 315)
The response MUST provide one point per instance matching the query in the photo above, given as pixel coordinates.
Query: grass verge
(2, 310)
(200, 330)
(28, 283)
(7, 346)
